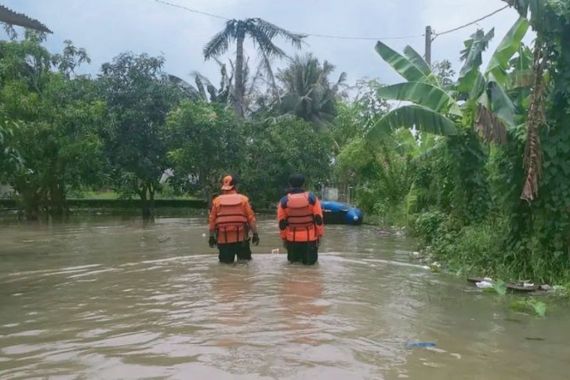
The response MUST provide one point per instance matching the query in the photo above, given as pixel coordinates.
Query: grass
(109, 194)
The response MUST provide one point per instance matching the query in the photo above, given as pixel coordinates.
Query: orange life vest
(231, 219)
(300, 217)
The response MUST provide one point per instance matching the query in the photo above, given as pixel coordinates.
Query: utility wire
(335, 37)
(192, 10)
(338, 37)
(472, 22)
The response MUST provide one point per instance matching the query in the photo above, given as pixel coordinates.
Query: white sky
(107, 27)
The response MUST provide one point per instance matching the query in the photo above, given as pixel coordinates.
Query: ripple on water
(166, 309)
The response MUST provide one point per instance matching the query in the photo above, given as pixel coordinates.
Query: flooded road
(116, 299)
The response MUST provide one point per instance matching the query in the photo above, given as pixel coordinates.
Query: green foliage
(499, 63)
(382, 172)
(354, 119)
(307, 91)
(470, 250)
(425, 94)
(139, 97)
(10, 159)
(472, 55)
(530, 305)
(405, 66)
(500, 287)
(444, 73)
(262, 34)
(54, 114)
(428, 225)
(279, 148)
(414, 116)
(205, 142)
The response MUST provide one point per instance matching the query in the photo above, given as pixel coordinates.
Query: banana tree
(479, 99)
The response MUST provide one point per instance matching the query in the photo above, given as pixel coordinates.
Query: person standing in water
(300, 220)
(230, 221)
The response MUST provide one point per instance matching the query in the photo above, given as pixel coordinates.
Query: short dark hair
(296, 180)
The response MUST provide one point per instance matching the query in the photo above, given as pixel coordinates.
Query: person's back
(300, 220)
(230, 220)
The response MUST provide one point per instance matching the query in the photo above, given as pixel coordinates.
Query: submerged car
(341, 213)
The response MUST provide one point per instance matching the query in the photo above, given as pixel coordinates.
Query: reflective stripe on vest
(231, 219)
(300, 213)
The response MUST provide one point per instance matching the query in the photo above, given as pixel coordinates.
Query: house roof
(8, 16)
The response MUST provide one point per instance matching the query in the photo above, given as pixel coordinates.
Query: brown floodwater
(113, 298)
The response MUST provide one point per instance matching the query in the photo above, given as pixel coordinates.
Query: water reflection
(232, 287)
(112, 298)
(301, 292)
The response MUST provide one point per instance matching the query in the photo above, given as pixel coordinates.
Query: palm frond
(265, 65)
(272, 30)
(220, 43)
(263, 41)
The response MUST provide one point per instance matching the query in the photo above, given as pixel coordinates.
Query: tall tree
(205, 141)
(52, 117)
(262, 34)
(139, 96)
(308, 93)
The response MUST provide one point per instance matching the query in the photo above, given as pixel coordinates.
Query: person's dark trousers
(228, 252)
(303, 252)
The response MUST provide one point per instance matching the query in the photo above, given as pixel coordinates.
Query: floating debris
(484, 285)
(420, 344)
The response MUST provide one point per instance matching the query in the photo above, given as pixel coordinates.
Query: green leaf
(420, 93)
(400, 63)
(530, 305)
(507, 48)
(417, 60)
(473, 52)
(414, 116)
(538, 307)
(500, 103)
(521, 6)
(500, 287)
(472, 84)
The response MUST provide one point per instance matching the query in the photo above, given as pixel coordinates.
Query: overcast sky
(108, 27)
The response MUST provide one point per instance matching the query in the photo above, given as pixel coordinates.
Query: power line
(192, 10)
(340, 37)
(472, 22)
(332, 36)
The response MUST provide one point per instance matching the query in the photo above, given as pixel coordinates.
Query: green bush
(428, 225)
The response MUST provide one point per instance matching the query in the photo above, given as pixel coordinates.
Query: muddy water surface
(113, 298)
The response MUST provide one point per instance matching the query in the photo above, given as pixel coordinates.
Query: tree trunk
(30, 197)
(239, 87)
(151, 192)
(146, 204)
(57, 200)
(536, 120)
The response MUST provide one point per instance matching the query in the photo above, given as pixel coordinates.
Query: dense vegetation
(491, 194)
(477, 164)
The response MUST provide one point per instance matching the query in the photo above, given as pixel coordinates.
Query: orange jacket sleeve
(212, 216)
(281, 215)
(317, 210)
(251, 220)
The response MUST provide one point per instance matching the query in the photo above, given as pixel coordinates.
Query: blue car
(341, 213)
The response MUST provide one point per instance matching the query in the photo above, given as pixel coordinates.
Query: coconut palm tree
(262, 34)
(308, 93)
